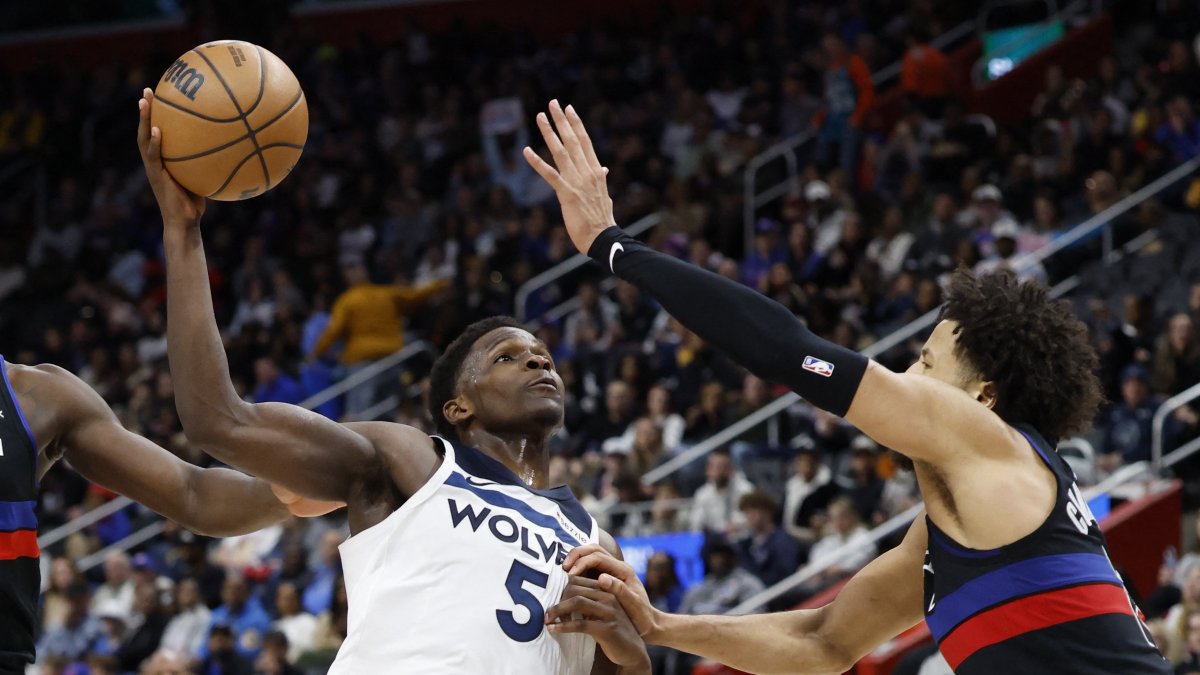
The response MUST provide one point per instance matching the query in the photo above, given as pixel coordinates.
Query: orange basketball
(233, 120)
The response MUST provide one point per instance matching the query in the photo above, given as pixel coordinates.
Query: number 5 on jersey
(518, 575)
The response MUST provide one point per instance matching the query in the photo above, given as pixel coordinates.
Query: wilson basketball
(233, 120)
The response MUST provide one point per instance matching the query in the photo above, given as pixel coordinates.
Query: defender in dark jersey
(46, 414)
(1016, 578)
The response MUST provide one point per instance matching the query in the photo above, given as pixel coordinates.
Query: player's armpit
(924, 418)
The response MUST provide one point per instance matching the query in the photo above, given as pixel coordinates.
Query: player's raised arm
(298, 449)
(72, 419)
(755, 331)
(881, 601)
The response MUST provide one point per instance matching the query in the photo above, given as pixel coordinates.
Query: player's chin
(546, 410)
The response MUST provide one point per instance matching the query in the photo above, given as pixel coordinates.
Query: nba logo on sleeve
(815, 365)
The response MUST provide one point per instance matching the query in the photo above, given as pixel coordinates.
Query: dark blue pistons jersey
(1048, 603)
(20, 577)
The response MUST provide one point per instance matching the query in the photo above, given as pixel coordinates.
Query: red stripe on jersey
(1029, 614)
(18, 544)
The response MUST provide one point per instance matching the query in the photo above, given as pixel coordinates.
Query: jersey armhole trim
(17, 404)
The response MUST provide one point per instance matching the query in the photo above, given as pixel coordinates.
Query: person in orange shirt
(924, 74)
(370, 319)
(849, 94)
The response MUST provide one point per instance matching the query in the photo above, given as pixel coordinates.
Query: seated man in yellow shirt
(370, 319)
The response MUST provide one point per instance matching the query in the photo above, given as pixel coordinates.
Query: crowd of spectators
(412, 216)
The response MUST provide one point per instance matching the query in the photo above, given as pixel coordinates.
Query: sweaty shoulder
(409, 455)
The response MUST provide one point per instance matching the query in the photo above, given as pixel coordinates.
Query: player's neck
(524, 454)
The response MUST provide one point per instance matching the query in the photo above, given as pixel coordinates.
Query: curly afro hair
(443, 379)
(1032, 348)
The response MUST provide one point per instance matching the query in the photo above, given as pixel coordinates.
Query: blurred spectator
(846, 529)
(849, 94)
(187, 631)
(322, 586)
(370, 318)
(222, 654)
(164, 662)
(293, 621)
(274, 385)
(725, 585)
(666, 594)
(714, 507)
(117, 590)
(1180, 133)
(618, 414)
(240, 619)
(79, 632)
(865, 487)
(1176, 364)
(331, 624)
(1126, 425)
(149, 626)
(274, 657)
(1004, 254)
(55, 604)
(924, 73)
(809, 491)
(767, 551)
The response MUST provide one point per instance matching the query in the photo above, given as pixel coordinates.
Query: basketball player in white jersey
(456, 545)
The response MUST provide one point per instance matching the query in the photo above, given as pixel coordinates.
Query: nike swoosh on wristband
(612, 255)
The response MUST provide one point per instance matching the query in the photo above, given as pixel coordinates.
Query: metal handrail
(752, 200)
(1160, 418)
(521, 298)
(141, 536)
(894, 524)
(371, 371)
(87, 519)
(1078, 232)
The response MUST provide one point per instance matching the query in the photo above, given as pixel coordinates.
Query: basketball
(233, 120)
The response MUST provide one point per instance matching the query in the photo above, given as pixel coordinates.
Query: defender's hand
(579, 181)
(303, 506)
(586, 608)
(179, 207)
(619, 579)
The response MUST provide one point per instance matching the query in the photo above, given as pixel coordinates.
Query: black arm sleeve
(755, 331)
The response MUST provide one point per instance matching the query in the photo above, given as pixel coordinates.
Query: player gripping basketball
(457, 544)
(1008, 567)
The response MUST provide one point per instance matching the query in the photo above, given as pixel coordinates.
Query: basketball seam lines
(247, 158)
(250, 131)
(239, 139)
(262, 81)
(194, 113)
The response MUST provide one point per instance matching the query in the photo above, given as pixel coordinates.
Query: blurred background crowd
(412, 214)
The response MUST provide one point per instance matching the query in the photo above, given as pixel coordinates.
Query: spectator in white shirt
(294, 622)
(715, 507)
(846, 528)
(188, 630)
(116, 593)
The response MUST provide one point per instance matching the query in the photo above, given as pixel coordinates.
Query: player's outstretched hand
(179, 207)
(587, 608)
(579, 180)
(303, 506)
(619, 579)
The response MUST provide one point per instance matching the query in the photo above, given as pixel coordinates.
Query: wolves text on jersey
(505, 529)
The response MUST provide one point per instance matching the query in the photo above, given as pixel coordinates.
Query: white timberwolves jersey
(458, 579)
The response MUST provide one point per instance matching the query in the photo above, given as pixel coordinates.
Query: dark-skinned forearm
(226, 503)
(204, 394)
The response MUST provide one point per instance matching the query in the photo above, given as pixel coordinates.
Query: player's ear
(457, 410)
(986, 394)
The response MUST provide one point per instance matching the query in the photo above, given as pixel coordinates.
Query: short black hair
(1033, 349)
(443, 378)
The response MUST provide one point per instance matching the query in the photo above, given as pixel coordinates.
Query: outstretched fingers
(543, 168)
(575, 122)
